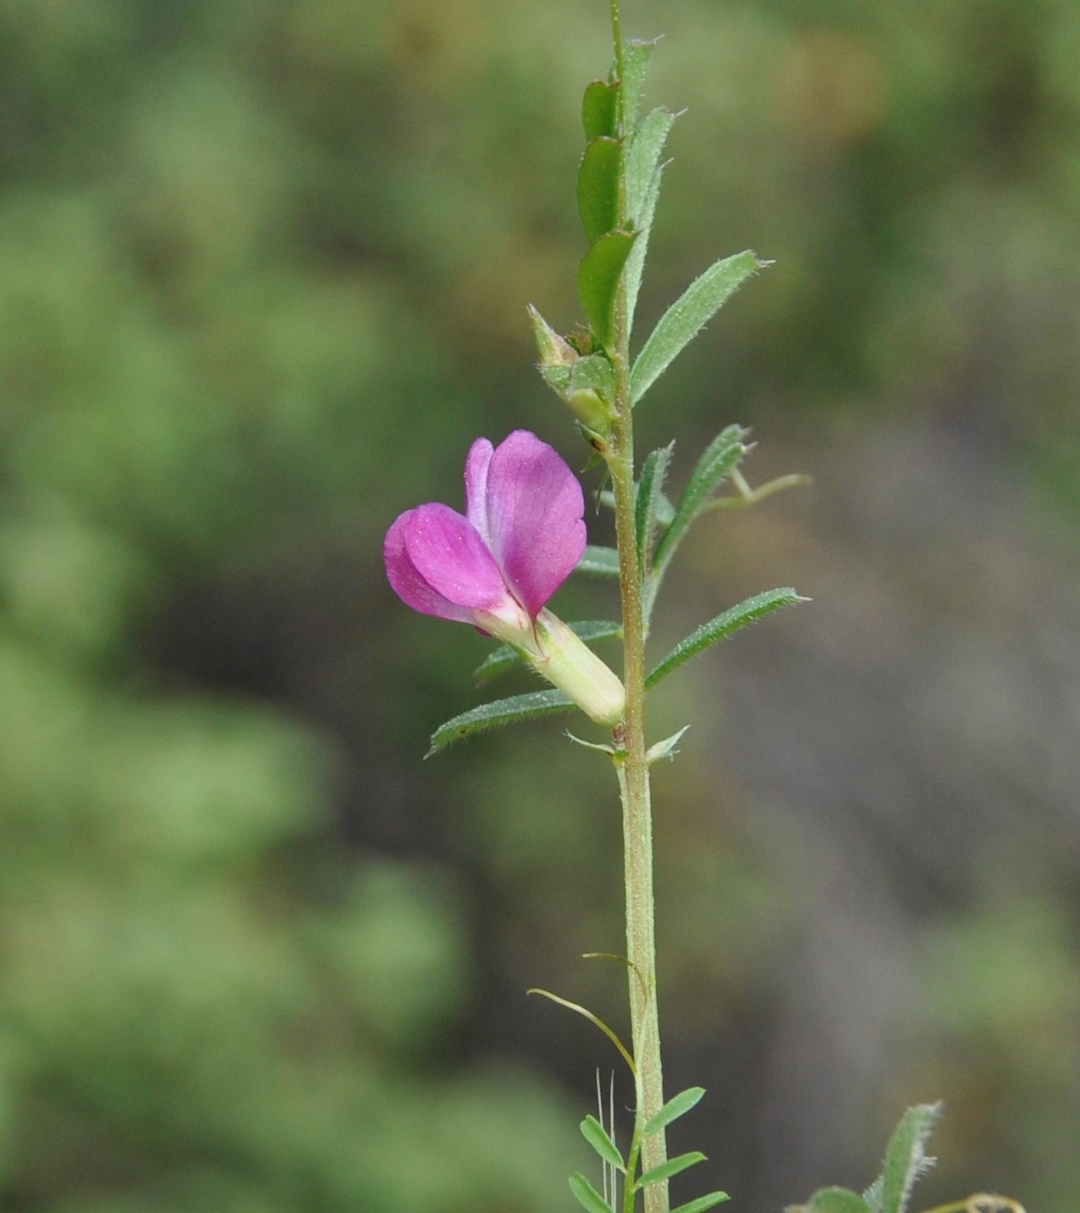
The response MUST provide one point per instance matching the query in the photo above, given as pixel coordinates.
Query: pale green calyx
(552, 649)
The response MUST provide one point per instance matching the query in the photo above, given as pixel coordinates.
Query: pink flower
(522, 537)
(498, 564)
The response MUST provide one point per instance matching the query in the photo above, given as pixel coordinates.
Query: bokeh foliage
(263, 275)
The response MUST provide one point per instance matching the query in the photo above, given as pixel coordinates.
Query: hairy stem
(633, 771)
(631, 763)
(616, 36)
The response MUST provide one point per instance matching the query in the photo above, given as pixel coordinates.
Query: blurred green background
(263, 274)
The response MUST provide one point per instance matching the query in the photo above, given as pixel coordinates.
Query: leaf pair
(600, 201)
(537, 704)
(598, 1137)
(643, 146)
(654, 511)
(617, 189)
(654, 514)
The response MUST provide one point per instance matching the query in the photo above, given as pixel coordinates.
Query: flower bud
(560, 366)
(553, 349)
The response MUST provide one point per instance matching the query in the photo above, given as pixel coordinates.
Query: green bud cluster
(584, 381)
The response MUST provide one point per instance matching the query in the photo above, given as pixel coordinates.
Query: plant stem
(633, 772)
(631, 763)
(616, 36)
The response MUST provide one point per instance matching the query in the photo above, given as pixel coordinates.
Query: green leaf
(748, 611)
(673, 1166)
(587, 1195)
(834, 1200)
(501, 712)
(649, 490)
(600, 562)
(720, 456)
(686, 317)
(505, 657)
(598, 280)
(636, 56)
(906, 1158)
(643, 177)
(675, 1107)
(702, 1203)
(598, 187)
(642, 160)
(635, 263)
(597, 1137)
(599, 110)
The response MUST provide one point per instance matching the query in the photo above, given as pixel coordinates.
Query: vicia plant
(497, 565)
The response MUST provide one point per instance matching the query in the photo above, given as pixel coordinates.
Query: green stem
(616, 37)
(631, 763)
(633, 772)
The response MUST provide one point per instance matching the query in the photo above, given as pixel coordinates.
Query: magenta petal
(476, 475)
(534, 508)
(439, 564)
(407, 582)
